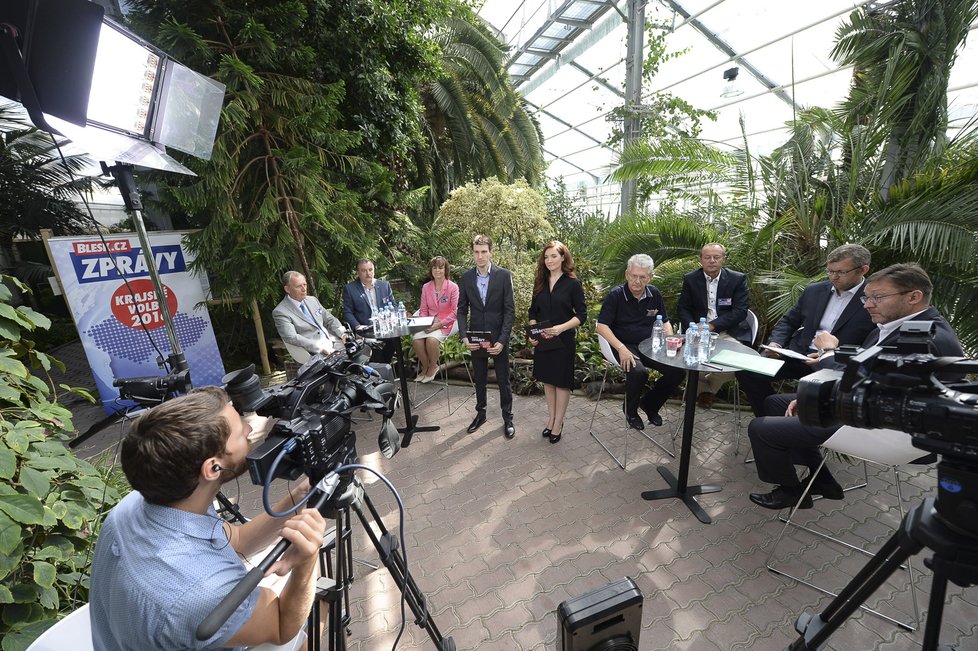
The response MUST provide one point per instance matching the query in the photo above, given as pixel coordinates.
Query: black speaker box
(606, 619)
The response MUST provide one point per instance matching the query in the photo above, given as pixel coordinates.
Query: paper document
(787, 352)
(419, 323)
(756, 363)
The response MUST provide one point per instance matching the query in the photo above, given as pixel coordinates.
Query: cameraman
(898, 293)
(164, 559)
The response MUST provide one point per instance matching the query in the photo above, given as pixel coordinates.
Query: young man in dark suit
(832, 306)
(893, 295)
(363, 298)
(485, 303)
(721, 295)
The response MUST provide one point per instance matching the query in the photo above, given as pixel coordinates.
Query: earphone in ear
(217, 467)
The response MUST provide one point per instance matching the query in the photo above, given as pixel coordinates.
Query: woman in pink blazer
(439, 298)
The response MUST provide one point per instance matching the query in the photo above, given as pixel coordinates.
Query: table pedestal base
(687, 495)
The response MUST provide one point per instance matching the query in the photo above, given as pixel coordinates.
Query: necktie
(305, 311)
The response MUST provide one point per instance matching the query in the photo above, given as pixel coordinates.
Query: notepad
(743, 361)
(787, 352)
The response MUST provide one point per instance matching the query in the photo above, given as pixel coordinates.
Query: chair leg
(739, 425)
(594, 413)
(443, 385)
(622, 463)
(788, 521)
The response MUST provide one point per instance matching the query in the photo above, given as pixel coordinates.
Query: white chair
(74, 632)
(298, 353)
(611, 362)
(883, 447)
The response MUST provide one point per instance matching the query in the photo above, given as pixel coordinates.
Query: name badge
(727, 302)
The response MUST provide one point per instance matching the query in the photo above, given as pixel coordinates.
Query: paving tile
(501, 532)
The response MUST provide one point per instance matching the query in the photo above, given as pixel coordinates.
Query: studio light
(91, 80)
(730, 87)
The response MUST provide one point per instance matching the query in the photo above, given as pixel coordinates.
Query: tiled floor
(500, 532)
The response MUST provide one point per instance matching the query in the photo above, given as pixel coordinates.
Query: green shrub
(51, 502)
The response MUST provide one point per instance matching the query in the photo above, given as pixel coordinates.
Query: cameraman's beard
(234, 471)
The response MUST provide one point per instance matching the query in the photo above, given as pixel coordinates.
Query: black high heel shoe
(556, 437)
(547, 432)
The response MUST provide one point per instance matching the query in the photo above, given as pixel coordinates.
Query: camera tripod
(334, 497)
(350, 495)
(955, 559)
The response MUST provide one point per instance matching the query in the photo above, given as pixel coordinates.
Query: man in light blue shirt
(164, 559)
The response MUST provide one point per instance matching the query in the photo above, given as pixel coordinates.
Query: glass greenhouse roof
(568, 60)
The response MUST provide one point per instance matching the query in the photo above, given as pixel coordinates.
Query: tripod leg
(898, 549)
(935, 606)
(387, 547)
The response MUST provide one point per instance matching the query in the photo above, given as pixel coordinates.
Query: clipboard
(483, 338)
(419, 323)
(535, 331)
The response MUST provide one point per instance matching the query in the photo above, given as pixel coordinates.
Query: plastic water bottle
(657, 333)
(402, 320)
(703, 348)
(690, 345)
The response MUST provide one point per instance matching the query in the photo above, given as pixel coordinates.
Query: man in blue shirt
(626, 319)
(164, 559)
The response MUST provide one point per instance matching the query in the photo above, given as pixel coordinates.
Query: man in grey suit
(363, 298)
(302, 322)
(485, 303)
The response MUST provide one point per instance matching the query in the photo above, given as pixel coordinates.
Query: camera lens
(244, 389)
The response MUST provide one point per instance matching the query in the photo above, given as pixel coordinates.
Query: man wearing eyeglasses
(722, 296)
(832, 306)
(898, 293)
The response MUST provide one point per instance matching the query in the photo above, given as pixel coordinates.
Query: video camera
(313, 434)
(903, 388)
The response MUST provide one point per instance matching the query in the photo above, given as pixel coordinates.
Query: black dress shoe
(654, 418)
(547, 432)
(632, 420)
(780, 499)
(555, 438)
(510, 429)
(476, 423)
(827, 488)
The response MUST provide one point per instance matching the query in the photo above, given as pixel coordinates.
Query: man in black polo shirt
(626, 319)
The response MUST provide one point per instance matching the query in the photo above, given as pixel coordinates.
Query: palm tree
(475, 124)
(36, 186)
(902, 53)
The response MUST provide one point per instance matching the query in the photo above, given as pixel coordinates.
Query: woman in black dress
(558, 304)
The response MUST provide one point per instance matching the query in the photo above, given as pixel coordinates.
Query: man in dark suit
(832, 306)
(365, 297)
(303, 324)
(893, 295)
(720, 295)
(485, 303)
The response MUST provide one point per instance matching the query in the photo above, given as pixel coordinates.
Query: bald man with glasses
(893, 296)
(831, 306)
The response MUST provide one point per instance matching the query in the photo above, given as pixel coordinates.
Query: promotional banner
(121, 326)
